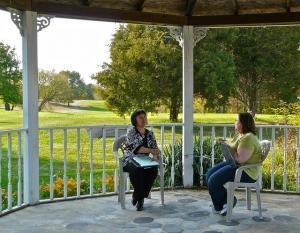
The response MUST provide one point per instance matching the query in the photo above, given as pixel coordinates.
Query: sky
(66, 44)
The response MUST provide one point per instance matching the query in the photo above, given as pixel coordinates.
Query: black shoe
(224, 210)
(140, 205)
(133, 201)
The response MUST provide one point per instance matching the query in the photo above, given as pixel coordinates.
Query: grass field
(91, 112)
(87, 112)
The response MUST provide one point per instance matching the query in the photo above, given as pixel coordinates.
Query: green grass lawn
(91, 112)
(88, 112)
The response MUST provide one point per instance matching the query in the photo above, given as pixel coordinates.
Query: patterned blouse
(135, 140)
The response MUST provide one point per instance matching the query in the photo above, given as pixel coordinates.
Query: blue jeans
(219, 175)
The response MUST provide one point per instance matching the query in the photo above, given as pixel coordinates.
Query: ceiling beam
(247, 19)
(129, 16)
(140, 5)
(190, 5)
(107, 14)
(288, 6)
(85, 2)
(236, 7)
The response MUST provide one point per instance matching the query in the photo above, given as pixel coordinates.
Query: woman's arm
(244, 150)
(243, 155)
(145, 150)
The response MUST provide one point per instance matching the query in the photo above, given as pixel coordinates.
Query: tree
(10, 77)
(53, 87)
(145, 71)
(214, 69)
(78, 88)
(267, 62)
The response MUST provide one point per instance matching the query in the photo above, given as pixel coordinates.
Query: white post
(30, 108)
(188, 83)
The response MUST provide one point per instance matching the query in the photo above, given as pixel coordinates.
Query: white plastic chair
(119, 144)
(231, 186)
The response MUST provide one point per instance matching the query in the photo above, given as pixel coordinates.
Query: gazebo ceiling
(170, 12)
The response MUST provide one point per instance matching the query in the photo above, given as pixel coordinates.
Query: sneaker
(223, 212)
(214, 211)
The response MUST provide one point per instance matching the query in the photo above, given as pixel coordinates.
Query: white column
(188, 111)
(30, 107)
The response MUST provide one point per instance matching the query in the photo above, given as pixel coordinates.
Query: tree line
(63, 87)
(244, 69)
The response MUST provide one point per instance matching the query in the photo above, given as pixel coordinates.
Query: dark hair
(247, 122)
(135, 114)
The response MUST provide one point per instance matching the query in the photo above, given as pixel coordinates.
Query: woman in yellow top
(246, 150)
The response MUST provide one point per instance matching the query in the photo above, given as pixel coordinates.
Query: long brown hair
(247, 121)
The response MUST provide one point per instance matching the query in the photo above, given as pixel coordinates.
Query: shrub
(207, 154)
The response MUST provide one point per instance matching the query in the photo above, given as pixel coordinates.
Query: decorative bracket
(42, 21)
(17, 18)
(177, 34)
(199, 34)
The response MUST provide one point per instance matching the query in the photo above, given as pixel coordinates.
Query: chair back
(119, 144)
(265, 148)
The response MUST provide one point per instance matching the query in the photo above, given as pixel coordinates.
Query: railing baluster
(9, 188)
(224, 137)
(19, 170)
(51, 164)
(201, 156)
(127, 184)
(116, 165)
(273, 159)
(224, 132)
(162, 141)
(260, 133)
(78, 163)
(0, 173)
(91, 163)
(298, 159)
(213, 136)
(65, 165)
(103, 163)
(261, 168)
(173, 155)
(284, 159)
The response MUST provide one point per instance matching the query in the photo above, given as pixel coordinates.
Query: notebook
(145, 161)
(226, 152)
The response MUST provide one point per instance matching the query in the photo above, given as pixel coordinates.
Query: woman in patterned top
(140, 140)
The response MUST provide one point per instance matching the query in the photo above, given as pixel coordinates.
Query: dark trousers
(142, 180)
(219, 175)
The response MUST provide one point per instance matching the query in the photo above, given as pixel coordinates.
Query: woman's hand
(155, 152)
(220, 140)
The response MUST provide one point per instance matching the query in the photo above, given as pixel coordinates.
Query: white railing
(11, 188)
(89, 148)
(285, 146)
(78, 161)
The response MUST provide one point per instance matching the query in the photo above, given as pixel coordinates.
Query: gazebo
(188, 21)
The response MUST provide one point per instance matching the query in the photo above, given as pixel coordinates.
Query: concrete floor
(185, 211)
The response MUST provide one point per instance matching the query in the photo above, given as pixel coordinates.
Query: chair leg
(230, 197)
(162, 185)
(248, 198)
(122, 188)
(259, 201)
(127, 181)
